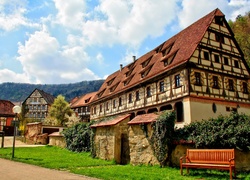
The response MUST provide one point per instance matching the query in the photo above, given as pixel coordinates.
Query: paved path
(10, 170)
(8, 142)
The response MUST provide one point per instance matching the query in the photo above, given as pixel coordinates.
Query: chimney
(134, 58)
(120, 67)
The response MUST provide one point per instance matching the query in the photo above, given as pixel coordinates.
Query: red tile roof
(111, 122)
(177, 50)
(84, 100)
(6, 108)
(144, 118)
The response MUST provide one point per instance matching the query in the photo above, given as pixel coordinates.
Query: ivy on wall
(162, 136)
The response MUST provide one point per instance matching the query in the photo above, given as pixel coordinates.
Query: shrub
(78, 137)
(231, 131)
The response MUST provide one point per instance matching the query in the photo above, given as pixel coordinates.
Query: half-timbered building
(81, 106)
(200, 73)
(37, 105)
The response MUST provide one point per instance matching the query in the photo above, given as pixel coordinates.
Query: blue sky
(61, 41)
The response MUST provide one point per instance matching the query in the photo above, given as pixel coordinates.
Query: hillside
(20, 91)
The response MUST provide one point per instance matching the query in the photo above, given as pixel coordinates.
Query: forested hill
(16, 92)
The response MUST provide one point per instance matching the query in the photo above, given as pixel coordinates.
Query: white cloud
(129, 22)
(12, 15)
(70, 13)
(7, 75)
(240, 8)
(44, 61)
(192, 10)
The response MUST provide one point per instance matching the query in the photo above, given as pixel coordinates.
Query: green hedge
(78, 137)
(231, 131)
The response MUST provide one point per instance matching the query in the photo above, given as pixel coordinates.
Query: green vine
(162, 137)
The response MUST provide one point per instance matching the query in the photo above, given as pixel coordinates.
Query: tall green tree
(241, 29)
(59, 112)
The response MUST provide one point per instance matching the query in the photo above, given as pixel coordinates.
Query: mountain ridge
(18, 92)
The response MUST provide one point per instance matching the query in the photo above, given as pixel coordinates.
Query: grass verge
(82, 163)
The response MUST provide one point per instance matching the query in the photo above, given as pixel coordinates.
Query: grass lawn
(82, 163)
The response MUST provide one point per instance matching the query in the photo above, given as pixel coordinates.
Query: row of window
(37, 107)
(137, 94)
(82, 109)
(35, 99)
(36, 115)
(217, 59)
(215, 83)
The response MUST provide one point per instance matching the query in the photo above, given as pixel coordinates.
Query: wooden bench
(222, 159)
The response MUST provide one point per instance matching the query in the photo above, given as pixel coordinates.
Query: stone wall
(56, 139)
(140, 148)
(108, 141)
(33, 134)
(105, 142)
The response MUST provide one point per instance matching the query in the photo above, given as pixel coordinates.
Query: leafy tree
(59, 112)
(241, 29)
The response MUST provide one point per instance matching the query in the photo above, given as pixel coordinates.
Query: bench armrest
(231, 160)
(185, 158)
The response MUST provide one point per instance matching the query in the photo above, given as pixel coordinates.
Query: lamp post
(16, 110)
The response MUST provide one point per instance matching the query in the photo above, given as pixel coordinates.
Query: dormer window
(145, 63)
(87, 100)
(129, 72)
(110, 81)
(113, 87)
(146, 71)
(169, 59)
(219, 20)
(167, 50)
(100, 93)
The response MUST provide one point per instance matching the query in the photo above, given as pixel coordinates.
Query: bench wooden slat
(209, 158)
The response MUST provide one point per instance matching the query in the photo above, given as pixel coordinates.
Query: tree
(59, 112)
(241, 29)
